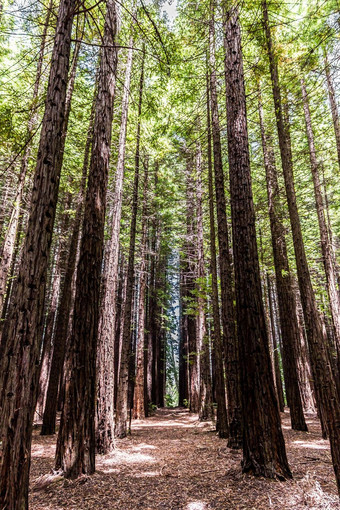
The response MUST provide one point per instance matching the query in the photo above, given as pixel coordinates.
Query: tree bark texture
(263, 444)
(22, 333)
(326, 393)
(225, 263)
(76, 440)
(286, 299)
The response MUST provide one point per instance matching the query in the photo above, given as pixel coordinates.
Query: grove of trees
(169, 225)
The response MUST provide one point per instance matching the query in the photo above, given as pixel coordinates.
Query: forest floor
(173, 462)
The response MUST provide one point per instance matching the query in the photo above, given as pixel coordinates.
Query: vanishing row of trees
(136, 144)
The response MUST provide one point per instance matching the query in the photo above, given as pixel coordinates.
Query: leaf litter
(171, 461)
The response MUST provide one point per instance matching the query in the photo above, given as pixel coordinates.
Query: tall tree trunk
(108, 307)
(183, 394)
(326, 247)
(326, 392)
(139, 401)
(274, 326)
(131, 260)
(334, 105)
(7, 248)
(222, 418)
(48, 346)
(226, 271)
(287, 308)
(76, 440)
(263, 444)
(205, 394)
(191, 298)
(22, 333)
(64, 310)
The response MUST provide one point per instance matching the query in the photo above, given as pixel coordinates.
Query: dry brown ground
(171, 461)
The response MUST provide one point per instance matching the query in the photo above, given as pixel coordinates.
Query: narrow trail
(173, 462)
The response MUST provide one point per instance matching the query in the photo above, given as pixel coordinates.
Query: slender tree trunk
(183, 394)
(48, 346)
(8, 246)
(278, 378)
(22, 333)
(226, 271)
(205, 394)
(108, 307)
(222, 418)
(64, 310)
(131, 260)
(191, 288)
(139, 401)
(333, 104)
(326, 247)
(263, 444)
(76, 440)
(326, 392)
(287, 308)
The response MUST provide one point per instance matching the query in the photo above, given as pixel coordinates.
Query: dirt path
(173, 462)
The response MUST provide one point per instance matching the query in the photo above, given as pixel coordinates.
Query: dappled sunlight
(313, 445)
(127, 457)
(43, 451)
(196, 505)
(172, 462)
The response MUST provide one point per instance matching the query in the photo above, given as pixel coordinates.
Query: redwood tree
(263, 444)
(22, 333)
(76, 440)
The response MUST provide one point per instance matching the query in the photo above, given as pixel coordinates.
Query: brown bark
(139, 404)
(326, 392)
(205, 391)
(8, 246)
(263, 444)
(287, 308)
(226, 272)
(118, 321)
(108, 307)
(76, 440)
(222, 418)
(22, 333)
(49, 331)
(274, 326)
(190, 285)
(326, 246)
(64, 310)
(333, 104)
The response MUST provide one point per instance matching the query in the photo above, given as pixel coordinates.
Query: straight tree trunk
(287, 308)
(139, 401)
(326, 246)
(183, 394)
(22, 333)
(278, 378)
(263, 444)
(8, 246)
(334, 105)
(205, 394)
(226, 271)
(48, 346)
(65, 306)
(191, 288)
(76, 440)
(222, 418)
(108, 307)
(326, 392)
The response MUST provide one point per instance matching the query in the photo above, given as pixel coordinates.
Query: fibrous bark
(263, 444)
(76, 440)
(22, 333)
